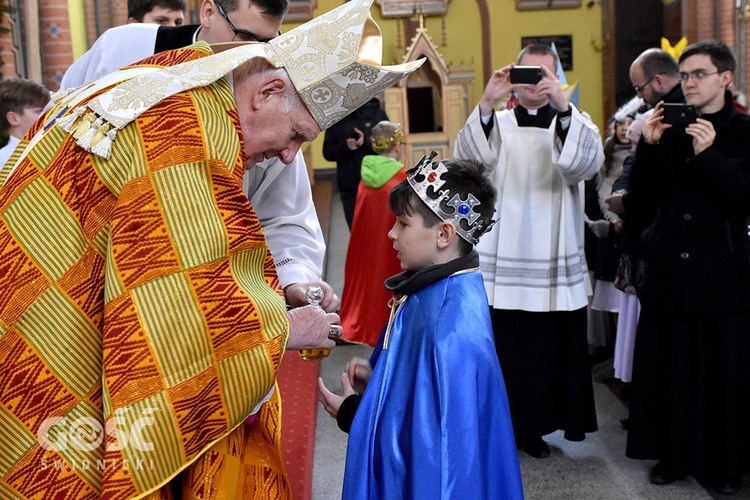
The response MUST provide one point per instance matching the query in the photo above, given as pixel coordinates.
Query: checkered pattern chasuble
(141, 319)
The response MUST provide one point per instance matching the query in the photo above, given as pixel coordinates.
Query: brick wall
(704, 20)
(7, 52)
(54, 30)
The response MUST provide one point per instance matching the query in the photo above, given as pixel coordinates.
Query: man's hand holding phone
(497, 88)
(685, 115)
(703, 134)
(655, 126)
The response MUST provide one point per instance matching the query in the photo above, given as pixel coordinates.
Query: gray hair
(258, 68)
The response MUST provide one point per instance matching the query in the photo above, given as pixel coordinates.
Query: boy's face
(416, 245)
(24, 121)
(164, 17)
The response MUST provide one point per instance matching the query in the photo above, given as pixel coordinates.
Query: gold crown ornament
(426, 179)
(387, 143)
(334, 62)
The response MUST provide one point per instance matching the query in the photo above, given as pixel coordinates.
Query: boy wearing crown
(433, 421)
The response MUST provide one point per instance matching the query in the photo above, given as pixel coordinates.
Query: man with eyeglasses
(654, 75)
(280, 194)
(690, 403)
(219, 21)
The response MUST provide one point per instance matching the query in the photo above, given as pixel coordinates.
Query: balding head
(654, 73)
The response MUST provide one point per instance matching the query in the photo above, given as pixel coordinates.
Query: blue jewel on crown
(465, 208)
(431, 174)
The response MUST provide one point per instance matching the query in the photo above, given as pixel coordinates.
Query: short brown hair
(19, 93)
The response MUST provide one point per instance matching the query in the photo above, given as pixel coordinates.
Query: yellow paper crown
(676, 49)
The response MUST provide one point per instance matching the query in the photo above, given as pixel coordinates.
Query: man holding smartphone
(533, 263)
(690, 403)
(657, 75)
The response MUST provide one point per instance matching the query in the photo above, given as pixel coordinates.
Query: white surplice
(533, 258)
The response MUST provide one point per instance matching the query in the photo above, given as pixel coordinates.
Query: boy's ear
(446, 234)
(12, 118)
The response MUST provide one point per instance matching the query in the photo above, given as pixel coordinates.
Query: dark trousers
(544, 358)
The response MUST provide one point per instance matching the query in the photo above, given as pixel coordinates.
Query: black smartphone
(526, 75)
(679, 114)
(354, 135)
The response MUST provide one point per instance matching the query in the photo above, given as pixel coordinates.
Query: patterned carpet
(297, 382)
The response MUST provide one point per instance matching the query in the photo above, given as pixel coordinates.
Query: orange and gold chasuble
(141, 319)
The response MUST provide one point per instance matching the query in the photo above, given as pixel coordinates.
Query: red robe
(370, 260)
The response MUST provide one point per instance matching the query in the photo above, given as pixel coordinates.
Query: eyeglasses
(696, 75)
(241, 35)
(639, 88)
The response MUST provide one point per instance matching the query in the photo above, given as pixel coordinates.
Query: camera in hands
(526, 75)
(679, 114)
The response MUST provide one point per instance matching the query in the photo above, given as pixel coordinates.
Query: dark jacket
(348, 162)
(674, 96)
(638, 216)
(697, 247)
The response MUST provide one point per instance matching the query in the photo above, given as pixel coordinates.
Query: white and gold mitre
(334, 61)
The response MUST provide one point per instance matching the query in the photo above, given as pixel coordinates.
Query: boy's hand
(332, 402)
(358, 371)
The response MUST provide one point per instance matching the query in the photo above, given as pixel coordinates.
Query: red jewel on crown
(431, 177)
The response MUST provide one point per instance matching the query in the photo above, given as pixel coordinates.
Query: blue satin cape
(434, 420)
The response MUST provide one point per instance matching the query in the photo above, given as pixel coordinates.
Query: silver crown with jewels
(426, 174)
